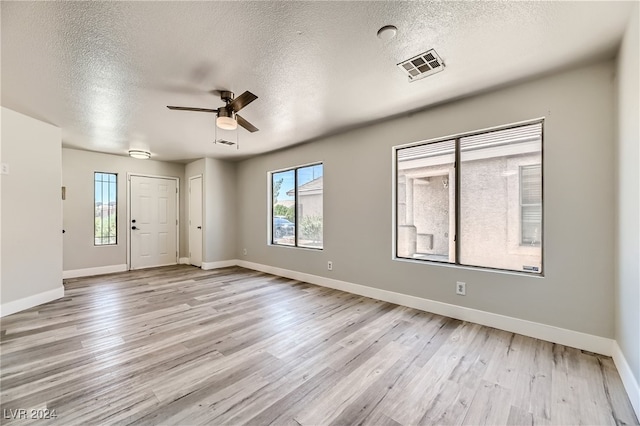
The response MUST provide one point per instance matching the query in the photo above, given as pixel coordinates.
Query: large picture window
(106, 206)
(473, 200)
(296, 206)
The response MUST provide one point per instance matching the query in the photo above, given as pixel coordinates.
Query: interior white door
(195, 220)
(153, 227)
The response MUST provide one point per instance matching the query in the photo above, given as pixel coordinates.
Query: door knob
(199, 227)
(133, 227)
(133, 221)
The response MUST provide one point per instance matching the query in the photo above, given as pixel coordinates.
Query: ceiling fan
(226, 116)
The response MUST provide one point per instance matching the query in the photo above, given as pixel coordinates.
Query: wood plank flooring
(178, 345)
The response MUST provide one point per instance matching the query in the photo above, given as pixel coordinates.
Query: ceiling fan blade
(244, 123)
(179, 108)
(242, 101)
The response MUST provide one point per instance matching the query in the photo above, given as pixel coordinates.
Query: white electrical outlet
(244, 251)
(461, 288)
(330, 265)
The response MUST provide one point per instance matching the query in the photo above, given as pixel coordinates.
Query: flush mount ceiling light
(139, 154)
(387, 32)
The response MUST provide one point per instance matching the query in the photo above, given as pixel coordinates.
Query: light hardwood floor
(178, 345)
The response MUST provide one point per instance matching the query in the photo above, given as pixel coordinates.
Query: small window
(297, 207)
(106, 208)
(472, 200)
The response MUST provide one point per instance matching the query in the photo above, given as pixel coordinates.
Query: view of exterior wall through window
(106, 207)
(296, 207)
(473, 200)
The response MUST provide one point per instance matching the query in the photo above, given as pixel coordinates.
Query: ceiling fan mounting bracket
(227, 96)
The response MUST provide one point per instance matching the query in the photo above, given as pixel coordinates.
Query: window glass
(309, 206)
(474, 200)
(284, 213)
(297, 207)
(106, 207)
(495, 213)
(531, 204)
(426, 202)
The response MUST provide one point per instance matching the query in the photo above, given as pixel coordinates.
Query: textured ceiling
(104, 71)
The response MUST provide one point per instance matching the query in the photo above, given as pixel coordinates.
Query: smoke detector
(422, 65)
(387, 32)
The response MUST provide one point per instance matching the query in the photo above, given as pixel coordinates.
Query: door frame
(128, 233)
(202, 216)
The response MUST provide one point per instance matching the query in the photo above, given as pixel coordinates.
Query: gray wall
(220, 209)
(628, 232)
(78, 168)
(32, 208)
(192, 169)
(577, 290)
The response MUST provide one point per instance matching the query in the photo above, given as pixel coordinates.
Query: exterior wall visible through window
(474, 199)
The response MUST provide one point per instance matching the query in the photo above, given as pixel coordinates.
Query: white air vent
(423, 65)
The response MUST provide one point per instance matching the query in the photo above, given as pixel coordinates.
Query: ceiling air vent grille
(423, 65)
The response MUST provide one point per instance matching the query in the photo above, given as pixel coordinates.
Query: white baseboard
(100, 270)
(184, 261)
(628, 379)
(31, 301)
(549, 333)
(220, 264)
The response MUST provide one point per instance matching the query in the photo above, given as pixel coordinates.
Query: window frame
(95, 173)
(457, 219)
(270, 228)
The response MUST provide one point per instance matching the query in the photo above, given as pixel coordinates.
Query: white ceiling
(105, 71)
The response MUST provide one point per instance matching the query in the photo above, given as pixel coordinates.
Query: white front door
(195, 220)
(153, 227)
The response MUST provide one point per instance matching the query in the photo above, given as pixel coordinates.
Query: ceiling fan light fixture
(139, 154)
(226, 123)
